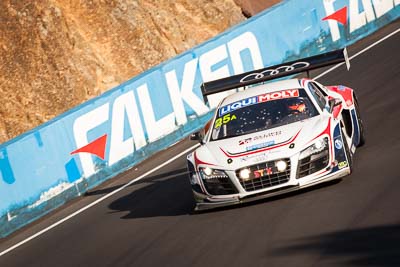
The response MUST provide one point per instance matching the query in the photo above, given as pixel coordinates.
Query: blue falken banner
(63, 158)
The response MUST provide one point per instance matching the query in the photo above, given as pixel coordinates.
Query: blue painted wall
(37, 171)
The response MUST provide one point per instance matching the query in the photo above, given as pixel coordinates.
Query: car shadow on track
(169, 194)
(372, 246)
(108, 189)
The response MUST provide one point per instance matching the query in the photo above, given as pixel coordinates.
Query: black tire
(349, 156)
(360, 123)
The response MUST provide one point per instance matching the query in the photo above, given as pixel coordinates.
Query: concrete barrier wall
(59, 160)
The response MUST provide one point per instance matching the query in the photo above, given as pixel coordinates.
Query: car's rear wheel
(360, 124)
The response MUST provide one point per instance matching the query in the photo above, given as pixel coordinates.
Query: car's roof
(262, 89)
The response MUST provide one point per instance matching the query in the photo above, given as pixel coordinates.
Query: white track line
(97, 201)
(160, 166)
(357, 54)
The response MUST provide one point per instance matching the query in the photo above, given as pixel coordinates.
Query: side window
(317, 94)
(319, 89)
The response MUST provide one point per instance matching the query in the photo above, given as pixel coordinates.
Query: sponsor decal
(357, 14)
(258, 99)
(237, 105)
(273, 72)
(97, 147)
(241, 154)
(255, 158)
(103, 130)
(338, 144)
(339, 16)
(245, 141)
(258, 146)
(224, 120)
(262, 172)
(342, 164)
(259, 137)
(267, 135)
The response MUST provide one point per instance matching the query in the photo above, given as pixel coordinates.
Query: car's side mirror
(334, 103)
(197, 136)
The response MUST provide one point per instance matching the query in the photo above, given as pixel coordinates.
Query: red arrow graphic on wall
(340, 16)
(97, 147)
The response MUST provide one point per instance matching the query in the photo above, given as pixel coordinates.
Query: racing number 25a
(224, 120)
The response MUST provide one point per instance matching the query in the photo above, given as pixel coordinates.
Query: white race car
(273, 138)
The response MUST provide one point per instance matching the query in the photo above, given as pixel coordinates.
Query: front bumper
(209, 202)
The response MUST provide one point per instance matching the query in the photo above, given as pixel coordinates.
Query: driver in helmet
(297, 106)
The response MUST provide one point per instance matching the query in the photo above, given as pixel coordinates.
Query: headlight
(314, 158)
(216, 182)
(319, 146)
(208, 173)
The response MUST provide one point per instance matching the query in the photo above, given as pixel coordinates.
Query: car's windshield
(262, 112)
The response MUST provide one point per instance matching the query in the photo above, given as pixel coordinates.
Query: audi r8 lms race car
(277, 137)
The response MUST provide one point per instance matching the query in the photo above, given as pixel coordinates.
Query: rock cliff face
(56, 54)
(252, 7)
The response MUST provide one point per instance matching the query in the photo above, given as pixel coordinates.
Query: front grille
(219, 186)
(312, 164)
(264, 175)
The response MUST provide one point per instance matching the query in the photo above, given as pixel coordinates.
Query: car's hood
(279, 142)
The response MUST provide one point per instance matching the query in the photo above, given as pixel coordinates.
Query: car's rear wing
(274, 72)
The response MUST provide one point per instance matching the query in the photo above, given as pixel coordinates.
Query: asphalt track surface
(354, 222)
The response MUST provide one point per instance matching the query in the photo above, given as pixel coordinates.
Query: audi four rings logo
(272, 72)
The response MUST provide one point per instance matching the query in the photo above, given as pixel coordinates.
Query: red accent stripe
(346, 93)
(261, 150)
(198, 161)
(328, 132)
(336, 111)
(303, 81)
